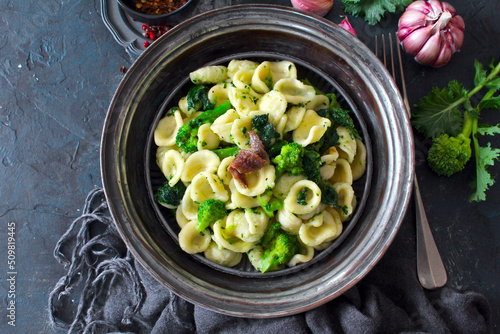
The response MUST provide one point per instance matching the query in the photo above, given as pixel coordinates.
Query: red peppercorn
(152, 35)
(146, 44)
(145, 27)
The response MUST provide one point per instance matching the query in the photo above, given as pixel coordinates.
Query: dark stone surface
(59, 67)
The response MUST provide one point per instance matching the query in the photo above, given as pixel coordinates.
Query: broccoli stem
(227, 152)
(210, 116)
(467, 127)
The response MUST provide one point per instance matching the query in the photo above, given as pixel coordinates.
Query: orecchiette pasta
(346, 198)
(240, 184)
(319, 229)
(311, 128)
(258, 181)
(172, 166)
(347, 144)
(191, 240)
(209, 75)
(236, 64)
(310, 202)
(222, 256)
(294, 117)
(295, 91)
(223, 124)
(305, 255)
(358, 164)
(166, 129)
(273, 104)
(201, 161)
(218, 94)
(227, 236)
(206, 186)
(207, 139)
(318, 102)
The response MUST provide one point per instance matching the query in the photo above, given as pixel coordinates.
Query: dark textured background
(59, 67)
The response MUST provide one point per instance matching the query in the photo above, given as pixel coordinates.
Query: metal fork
(430, 269)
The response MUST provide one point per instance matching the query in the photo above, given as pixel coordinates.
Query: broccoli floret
(227, 152)
(290, 160)
(209, 212)
(312, 164)
(279, 248)
(168, 196)
(269, 205)
(449, 155)
(198, 98)
(187, 135)
(265, 130)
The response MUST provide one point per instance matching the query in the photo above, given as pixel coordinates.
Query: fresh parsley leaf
(439, 112)
(373, 10)
(485, 156)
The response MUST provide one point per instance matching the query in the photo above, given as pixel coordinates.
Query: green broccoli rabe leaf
(275, 149)
(334, 103)
(485, 156)
(197, 98)
(279, 248)
(487, 130)
(373, 10)
(491, 103)
(440, 111)
(170, 196)
(265, 130)
(312, 164)
(209, 212)
(302, 196)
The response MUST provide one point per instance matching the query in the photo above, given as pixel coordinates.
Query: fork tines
(392, 68)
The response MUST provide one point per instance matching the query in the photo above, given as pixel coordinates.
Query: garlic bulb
(431, 31)
(319, 7)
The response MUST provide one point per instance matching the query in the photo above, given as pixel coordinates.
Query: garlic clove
(414, 42)
(449, 8)
(347, 26)
(421, 6)
(436, 6)
(457, 22)
(444, 56)
(319, 7)
(413, 18)
(429, 51)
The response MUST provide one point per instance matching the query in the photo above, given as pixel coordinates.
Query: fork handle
(430, 268)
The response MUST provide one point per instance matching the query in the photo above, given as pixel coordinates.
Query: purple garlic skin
(430, 31)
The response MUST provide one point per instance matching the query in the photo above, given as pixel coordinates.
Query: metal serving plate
(265, 31)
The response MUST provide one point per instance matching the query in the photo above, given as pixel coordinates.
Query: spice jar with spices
(153, 11)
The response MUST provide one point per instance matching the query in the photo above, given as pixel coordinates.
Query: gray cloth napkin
(106, 291)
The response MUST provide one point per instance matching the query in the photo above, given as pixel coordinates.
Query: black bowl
(128, 7)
